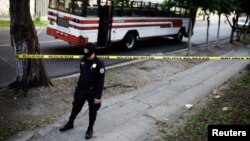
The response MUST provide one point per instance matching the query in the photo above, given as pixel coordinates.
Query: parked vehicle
(79, 22)
(242, 23)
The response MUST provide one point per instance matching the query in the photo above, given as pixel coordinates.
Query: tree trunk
(24, 40)
(232, 36)
(192, 18)
(218, 30)
(246, 31)
(237, 34)
(237, 29)
(190, 30)
(244, 28)
(233, 28)
(208, 23)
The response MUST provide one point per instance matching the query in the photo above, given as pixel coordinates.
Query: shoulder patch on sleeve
(102, 70)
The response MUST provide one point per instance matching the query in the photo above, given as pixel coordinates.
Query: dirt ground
(44, 105)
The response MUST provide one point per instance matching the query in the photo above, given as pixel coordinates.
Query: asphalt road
(61, 67)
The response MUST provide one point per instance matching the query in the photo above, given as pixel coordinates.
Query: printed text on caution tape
(40, 56)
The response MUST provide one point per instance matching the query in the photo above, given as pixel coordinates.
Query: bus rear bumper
(79, 41)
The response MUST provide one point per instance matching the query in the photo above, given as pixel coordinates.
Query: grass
(4, 23)
(65, 81)
(30, 123)
(246, 40)
(232, 108)
(111, 81)
(10, 127)
(9, 131)
(39, 23)
(36, 23)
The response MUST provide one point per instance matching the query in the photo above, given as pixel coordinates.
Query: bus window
(177, 11)
(78, 6)
(92, 11)
(187, 12)
(65, 5)
(172, 11)
(53, 4)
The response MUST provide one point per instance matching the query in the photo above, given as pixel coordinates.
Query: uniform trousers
(79, 99)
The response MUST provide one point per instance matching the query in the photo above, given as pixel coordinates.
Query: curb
(138, 61)
(118, 65)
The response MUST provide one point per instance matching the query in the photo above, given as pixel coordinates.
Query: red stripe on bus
(83, 28)
(166, 26)
(52, 13)
(51, 19)
(66, 17)
(176, 22)
(89, 22)
(150, 20)
(130, 20)
(64, 36)
(84, 21)
(150, 25)
(123, 26)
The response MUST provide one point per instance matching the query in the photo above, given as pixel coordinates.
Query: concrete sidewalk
(132, 116)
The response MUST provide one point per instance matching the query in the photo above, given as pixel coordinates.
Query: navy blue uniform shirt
(92, 76)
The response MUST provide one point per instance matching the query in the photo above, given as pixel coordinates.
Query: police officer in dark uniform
(89, 87)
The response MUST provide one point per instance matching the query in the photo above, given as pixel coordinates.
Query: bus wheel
(178, 38)
(129, 41)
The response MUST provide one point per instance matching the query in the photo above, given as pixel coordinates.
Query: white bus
(105, 22)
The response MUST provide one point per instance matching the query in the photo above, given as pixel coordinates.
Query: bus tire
(178, 37)
(129, 41)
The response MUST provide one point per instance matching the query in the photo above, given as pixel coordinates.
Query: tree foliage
(244, 4)
(224, 6)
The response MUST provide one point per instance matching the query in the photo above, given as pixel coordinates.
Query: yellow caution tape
(40, 56)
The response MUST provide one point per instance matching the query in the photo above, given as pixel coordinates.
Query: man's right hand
(97, 101)
(76, 89)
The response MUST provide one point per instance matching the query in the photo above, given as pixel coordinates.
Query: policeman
(89, 87)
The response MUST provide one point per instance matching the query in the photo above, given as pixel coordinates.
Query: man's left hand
(97, 101)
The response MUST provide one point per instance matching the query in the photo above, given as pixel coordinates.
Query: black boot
(89, 133)
(66, 127)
